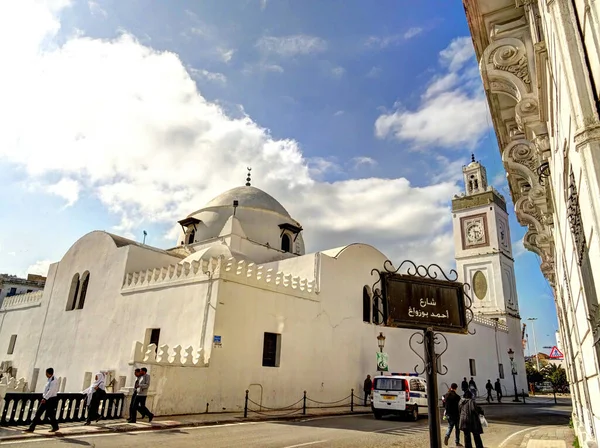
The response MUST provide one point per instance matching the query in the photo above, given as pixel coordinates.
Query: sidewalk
(168, 422)
(542, 437)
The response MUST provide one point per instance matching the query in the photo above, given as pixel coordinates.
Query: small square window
(501, 371)
(11, 344)
(472, 367)
(271, 350)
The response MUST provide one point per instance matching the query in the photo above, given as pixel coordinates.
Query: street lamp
(511, 356)
(381, 344)
(537, 359)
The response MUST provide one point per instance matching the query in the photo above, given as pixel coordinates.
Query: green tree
(556, 375)
(533, 375)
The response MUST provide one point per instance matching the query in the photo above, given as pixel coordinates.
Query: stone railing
(258, 276)
(238, 271)
(27, 300)
(490, 323)
(167, 357)
(11, 385)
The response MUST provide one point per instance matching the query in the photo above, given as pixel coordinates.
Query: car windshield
(389, 384)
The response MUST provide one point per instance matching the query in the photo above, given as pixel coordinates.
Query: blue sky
(127, 116)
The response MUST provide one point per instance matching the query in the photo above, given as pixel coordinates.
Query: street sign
(382, 362)
(555, 353)
(422, 303)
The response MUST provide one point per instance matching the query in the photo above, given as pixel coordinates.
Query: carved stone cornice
(586, 135)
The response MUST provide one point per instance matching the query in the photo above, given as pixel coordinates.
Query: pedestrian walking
(367, 386)
(48, 403)
(498, 388)
(451, 401)
(142, 394)
(95, 393)
(489, 388)
(464, 386)
(134, 404)
(470, 420)
(473, 388)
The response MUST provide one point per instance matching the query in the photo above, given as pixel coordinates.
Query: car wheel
(414, 413)
(377, 415)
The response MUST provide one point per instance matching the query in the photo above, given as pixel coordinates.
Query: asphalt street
(335, 432)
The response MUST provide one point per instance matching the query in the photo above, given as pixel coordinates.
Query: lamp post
(537, 359)
(511, 356)
(381, 344)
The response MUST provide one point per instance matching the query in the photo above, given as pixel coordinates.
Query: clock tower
(482, 245)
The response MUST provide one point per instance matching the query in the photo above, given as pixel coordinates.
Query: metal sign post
(419, 299)
(435, 439)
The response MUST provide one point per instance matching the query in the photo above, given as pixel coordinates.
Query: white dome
(249, 197)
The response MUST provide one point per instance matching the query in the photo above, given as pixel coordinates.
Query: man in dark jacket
(368, 385)
(498, 389)
(451, 400)
(464, 386)
(469, 420)
(489, 388)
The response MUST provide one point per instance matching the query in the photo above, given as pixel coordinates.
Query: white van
(399, 393)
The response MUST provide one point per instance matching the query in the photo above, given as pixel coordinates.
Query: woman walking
(470, 420)
(95, 393)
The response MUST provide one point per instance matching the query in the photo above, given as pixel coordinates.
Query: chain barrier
(320, 405)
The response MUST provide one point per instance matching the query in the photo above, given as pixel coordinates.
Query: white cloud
(67, 189)
(152, 148)
(96, 9)
(338, 113)
(40, 267)
(452, 112)
(458, 53)
(226, 54)
(518, 248)
(288, 46)
(374, 72)
(205, 74)
(391, 40)
(262, 67)
(263, 4)
(412, 32)
(338, 72)
(363, 161)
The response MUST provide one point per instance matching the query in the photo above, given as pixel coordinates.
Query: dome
(249, 197)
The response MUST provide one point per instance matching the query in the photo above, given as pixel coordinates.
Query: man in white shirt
(48, 403)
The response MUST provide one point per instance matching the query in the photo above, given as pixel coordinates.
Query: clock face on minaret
(474, 230)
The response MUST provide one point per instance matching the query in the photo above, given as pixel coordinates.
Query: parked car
(399, 394)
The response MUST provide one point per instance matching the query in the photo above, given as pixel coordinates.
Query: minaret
(483, 249)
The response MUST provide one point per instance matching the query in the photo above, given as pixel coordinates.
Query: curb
(178, 425)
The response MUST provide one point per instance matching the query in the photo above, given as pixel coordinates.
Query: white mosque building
(238, 305)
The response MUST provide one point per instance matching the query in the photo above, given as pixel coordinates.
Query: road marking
(329, 417)
(305, 444)
(63, 436)
(515, 434)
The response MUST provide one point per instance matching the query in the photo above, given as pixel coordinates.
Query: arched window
(191, 236)
(366, 304)
(286, 243)
(84, 288)
(73, 292)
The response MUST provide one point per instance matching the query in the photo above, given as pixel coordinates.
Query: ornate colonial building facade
(540, 64)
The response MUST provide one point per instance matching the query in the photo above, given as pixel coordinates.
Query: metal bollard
(246, 406)
(523, 390)
(555, 402)
(304, 404)
(351, 400)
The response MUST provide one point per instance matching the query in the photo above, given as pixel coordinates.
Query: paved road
(336, 432)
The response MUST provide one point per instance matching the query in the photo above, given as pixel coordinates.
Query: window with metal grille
(472, 367)
(11, 344)
(271, 350)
